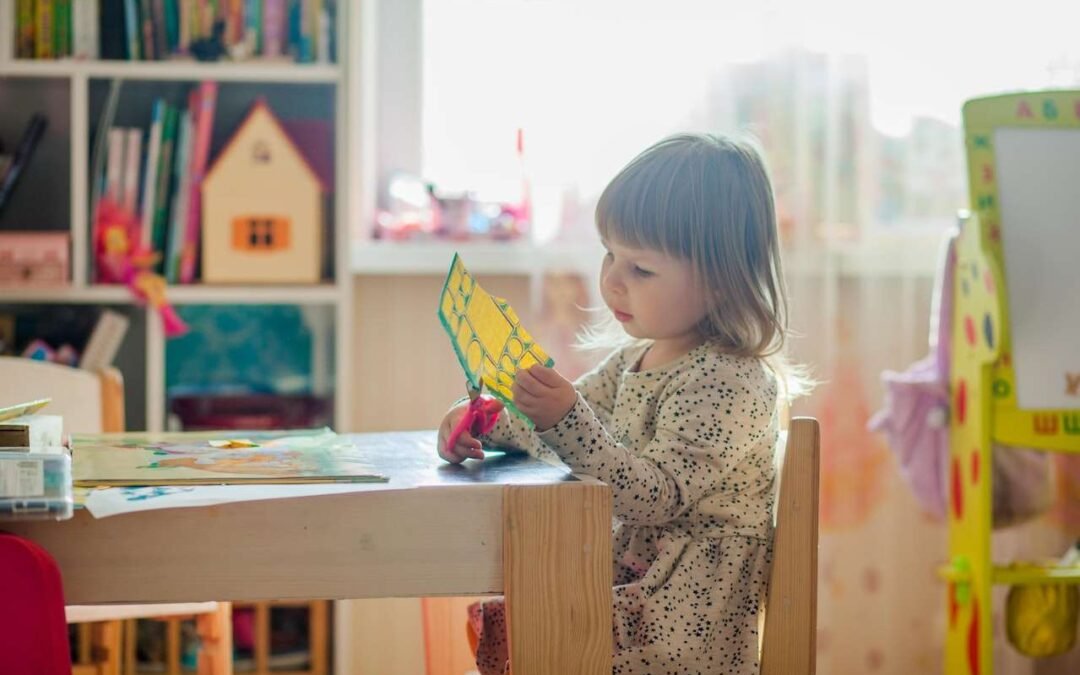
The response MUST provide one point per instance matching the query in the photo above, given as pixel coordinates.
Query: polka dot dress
(688, 450)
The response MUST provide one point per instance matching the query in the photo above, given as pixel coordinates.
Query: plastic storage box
(35, 485)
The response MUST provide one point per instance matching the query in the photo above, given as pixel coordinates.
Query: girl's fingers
(448, 454)
(545, 376)
(469, 446)
(524, 400)
(526, 381)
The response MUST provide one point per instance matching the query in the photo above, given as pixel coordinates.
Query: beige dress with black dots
(688, 450)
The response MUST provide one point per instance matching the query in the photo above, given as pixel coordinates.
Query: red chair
(33, 630)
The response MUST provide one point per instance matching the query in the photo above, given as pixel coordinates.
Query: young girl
(681, 419)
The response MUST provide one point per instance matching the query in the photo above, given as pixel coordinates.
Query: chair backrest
(90, 402)
(789, 638)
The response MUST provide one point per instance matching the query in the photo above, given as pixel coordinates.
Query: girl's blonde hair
(707, 199)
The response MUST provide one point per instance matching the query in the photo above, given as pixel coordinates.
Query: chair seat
(89, 613)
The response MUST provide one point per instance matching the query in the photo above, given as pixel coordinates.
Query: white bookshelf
(335, 293)
(194, 294)
(284, 73)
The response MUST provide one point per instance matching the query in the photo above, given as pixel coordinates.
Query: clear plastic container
(35, 485)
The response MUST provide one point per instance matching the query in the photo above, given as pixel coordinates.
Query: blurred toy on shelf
(39, 350)
(34, 258)
(418, 210)
(120, 260)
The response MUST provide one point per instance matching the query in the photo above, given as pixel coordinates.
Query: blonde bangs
(649, 203)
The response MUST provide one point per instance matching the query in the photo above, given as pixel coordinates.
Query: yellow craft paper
(486, 334)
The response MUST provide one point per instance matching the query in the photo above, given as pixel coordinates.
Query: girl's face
(653, 295)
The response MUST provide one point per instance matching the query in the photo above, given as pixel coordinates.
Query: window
(254, 234)
(857, 104)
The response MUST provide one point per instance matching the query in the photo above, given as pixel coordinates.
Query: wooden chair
(94, 403)
(789, 638)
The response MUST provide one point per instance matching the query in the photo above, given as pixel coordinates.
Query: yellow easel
(983, 383)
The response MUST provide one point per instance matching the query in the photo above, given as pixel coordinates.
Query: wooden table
(509, 524)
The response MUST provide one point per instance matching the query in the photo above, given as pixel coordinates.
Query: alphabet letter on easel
(1072, 384)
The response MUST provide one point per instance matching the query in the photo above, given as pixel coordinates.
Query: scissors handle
(479, 418)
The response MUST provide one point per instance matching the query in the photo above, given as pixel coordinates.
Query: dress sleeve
(596, 387)
(706, 425)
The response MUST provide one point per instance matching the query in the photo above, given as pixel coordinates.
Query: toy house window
(260, 233)
(261, 152)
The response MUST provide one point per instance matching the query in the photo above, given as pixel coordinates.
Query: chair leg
(262, 638)
(317, 635)
(172, 646)
(131, 642)
(84, 644)
(105, 648)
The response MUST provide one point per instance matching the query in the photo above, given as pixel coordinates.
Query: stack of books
(134, 30)
(159, 180)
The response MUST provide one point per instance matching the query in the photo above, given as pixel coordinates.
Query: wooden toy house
(262, 207)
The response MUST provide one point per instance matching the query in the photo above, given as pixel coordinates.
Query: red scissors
(479, 418)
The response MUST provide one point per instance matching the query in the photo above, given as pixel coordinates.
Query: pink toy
(120, 261)
(915, 420)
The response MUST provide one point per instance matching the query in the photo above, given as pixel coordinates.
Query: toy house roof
(261, 105)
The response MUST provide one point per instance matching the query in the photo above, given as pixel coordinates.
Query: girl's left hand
(543, 395)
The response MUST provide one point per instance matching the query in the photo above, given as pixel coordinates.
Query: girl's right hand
(467, 446)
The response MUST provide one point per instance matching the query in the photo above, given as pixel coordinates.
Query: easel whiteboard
(1038, 180)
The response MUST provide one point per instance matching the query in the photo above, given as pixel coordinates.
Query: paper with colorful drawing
(113, 501)
(486, 334)
(260, 457)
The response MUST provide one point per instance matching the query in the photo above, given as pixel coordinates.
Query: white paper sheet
(1038, 176)
(115, 501)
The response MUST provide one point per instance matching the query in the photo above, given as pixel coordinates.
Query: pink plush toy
(121, 260)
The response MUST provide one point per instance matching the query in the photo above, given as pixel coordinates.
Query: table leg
(557, 578)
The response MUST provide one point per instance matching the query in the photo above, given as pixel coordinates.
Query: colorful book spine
(208, 15)
(161, 30)
(181, 192)
(44, 37)
(184, 21)
(26, 28)
(146, 21)
(164, 180)
(203, 121)
(62, 28)
(172, 25)
(153, 154)
(234, 22)
(293, 31)
(84, 22)
(253, 26)
(132, 157)
(274, 28)
(133, 29)
(112, 29)
(315, 7)
(323, 36)
(114, 167)
(305, 50)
